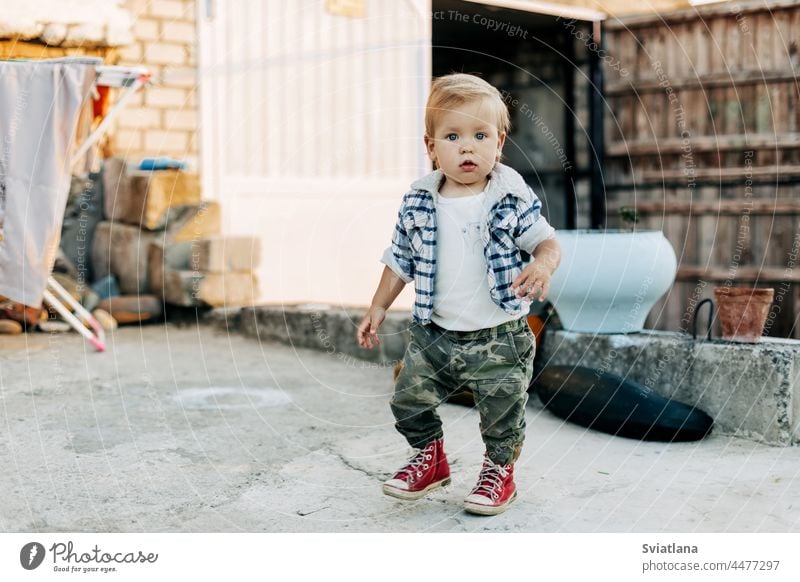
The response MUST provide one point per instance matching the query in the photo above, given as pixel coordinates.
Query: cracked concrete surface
(188, 429)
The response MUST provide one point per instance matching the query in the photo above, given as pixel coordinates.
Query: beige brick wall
(163, 119)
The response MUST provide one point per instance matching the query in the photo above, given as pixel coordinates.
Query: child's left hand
(534, 279)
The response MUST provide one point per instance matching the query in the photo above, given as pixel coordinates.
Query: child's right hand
(367, 334)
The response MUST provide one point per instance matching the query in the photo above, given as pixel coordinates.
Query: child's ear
(501, 139)
(429, 143)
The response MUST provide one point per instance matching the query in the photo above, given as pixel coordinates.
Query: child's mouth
(468, 166)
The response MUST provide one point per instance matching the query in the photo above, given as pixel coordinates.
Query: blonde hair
(457, 89)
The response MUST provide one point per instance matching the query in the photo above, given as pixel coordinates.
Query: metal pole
(597, 207)
(571, 205)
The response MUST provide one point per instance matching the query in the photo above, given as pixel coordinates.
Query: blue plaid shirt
(513, 223)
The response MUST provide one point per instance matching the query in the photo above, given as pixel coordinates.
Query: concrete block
(126, 140)
(179, 32)
(115, 179)
(751, 390)
(329, 329)
(145, 198)
(121, 250)
(193, 221)
(165, 53)
(215, 254)
(183, 119)
(194, 288)
(132, 308)
(152, 194)
(173, 142)
(140, 118)
(166, 8)
(146, 29)
(165, 98)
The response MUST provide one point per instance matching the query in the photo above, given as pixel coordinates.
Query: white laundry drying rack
(131, 79)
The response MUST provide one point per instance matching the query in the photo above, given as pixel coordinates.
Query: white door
(312, 129)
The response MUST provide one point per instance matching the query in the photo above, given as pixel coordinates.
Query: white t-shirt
(461, 300)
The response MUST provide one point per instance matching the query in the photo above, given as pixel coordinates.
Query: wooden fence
(703, 139)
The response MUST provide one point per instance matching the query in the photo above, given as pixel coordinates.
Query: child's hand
(534, 279)
(367, 334)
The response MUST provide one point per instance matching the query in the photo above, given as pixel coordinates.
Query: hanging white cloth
(39, 107)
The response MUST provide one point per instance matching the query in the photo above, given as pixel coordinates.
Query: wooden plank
(794, 104)
(641, 126)
(764, 276)
(641, 63)
(675, 49)
(716, 42)
(718, 79)
(724, 173)
(720, 9)
(658, 112)
(748, 95)
(731, 39)
(782, 23)
(722, 142)
(712, 208)
(702, 46)
(22, 49)
(762, 38)
(705, 235)
(725, 243)
(747, 55)
(779, 244)
(780, 108)
(733, 111)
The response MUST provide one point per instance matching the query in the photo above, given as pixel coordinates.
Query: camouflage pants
(495, 363)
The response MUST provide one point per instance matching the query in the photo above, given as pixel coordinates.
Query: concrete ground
(187, 429)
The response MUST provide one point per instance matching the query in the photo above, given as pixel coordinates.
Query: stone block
(215, 254)
(152, 194)
(166, 8)
(132, 308)
(140, 118)
(194, 288)
(145, 198)
(164, 53)
(121, 250)
(162, 142)
(165, 97)
(750, 390)
(330, 329)
(115, 186)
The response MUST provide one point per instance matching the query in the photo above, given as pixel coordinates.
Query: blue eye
(451, 137)
(480, 136)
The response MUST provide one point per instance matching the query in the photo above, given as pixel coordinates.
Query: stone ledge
(325, 328)
(751, 390)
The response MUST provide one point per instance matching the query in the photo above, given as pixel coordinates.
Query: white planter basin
(609, 281)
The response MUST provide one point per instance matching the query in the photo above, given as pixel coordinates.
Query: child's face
(466, 144)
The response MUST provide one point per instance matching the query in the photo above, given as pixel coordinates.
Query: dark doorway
(541, 65)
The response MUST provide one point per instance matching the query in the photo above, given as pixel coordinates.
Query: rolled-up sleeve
(389, 260)
(398, 255)
(532, 228)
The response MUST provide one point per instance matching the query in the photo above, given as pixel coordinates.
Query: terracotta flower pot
(743, 312)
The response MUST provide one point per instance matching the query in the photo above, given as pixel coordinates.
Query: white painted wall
(312, 130)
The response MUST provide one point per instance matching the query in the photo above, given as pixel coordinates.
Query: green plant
(629, 214)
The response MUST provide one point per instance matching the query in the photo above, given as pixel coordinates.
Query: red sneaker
(495, 489)
(426, 471)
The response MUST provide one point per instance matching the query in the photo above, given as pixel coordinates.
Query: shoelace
(491, 479)
(416, 463)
